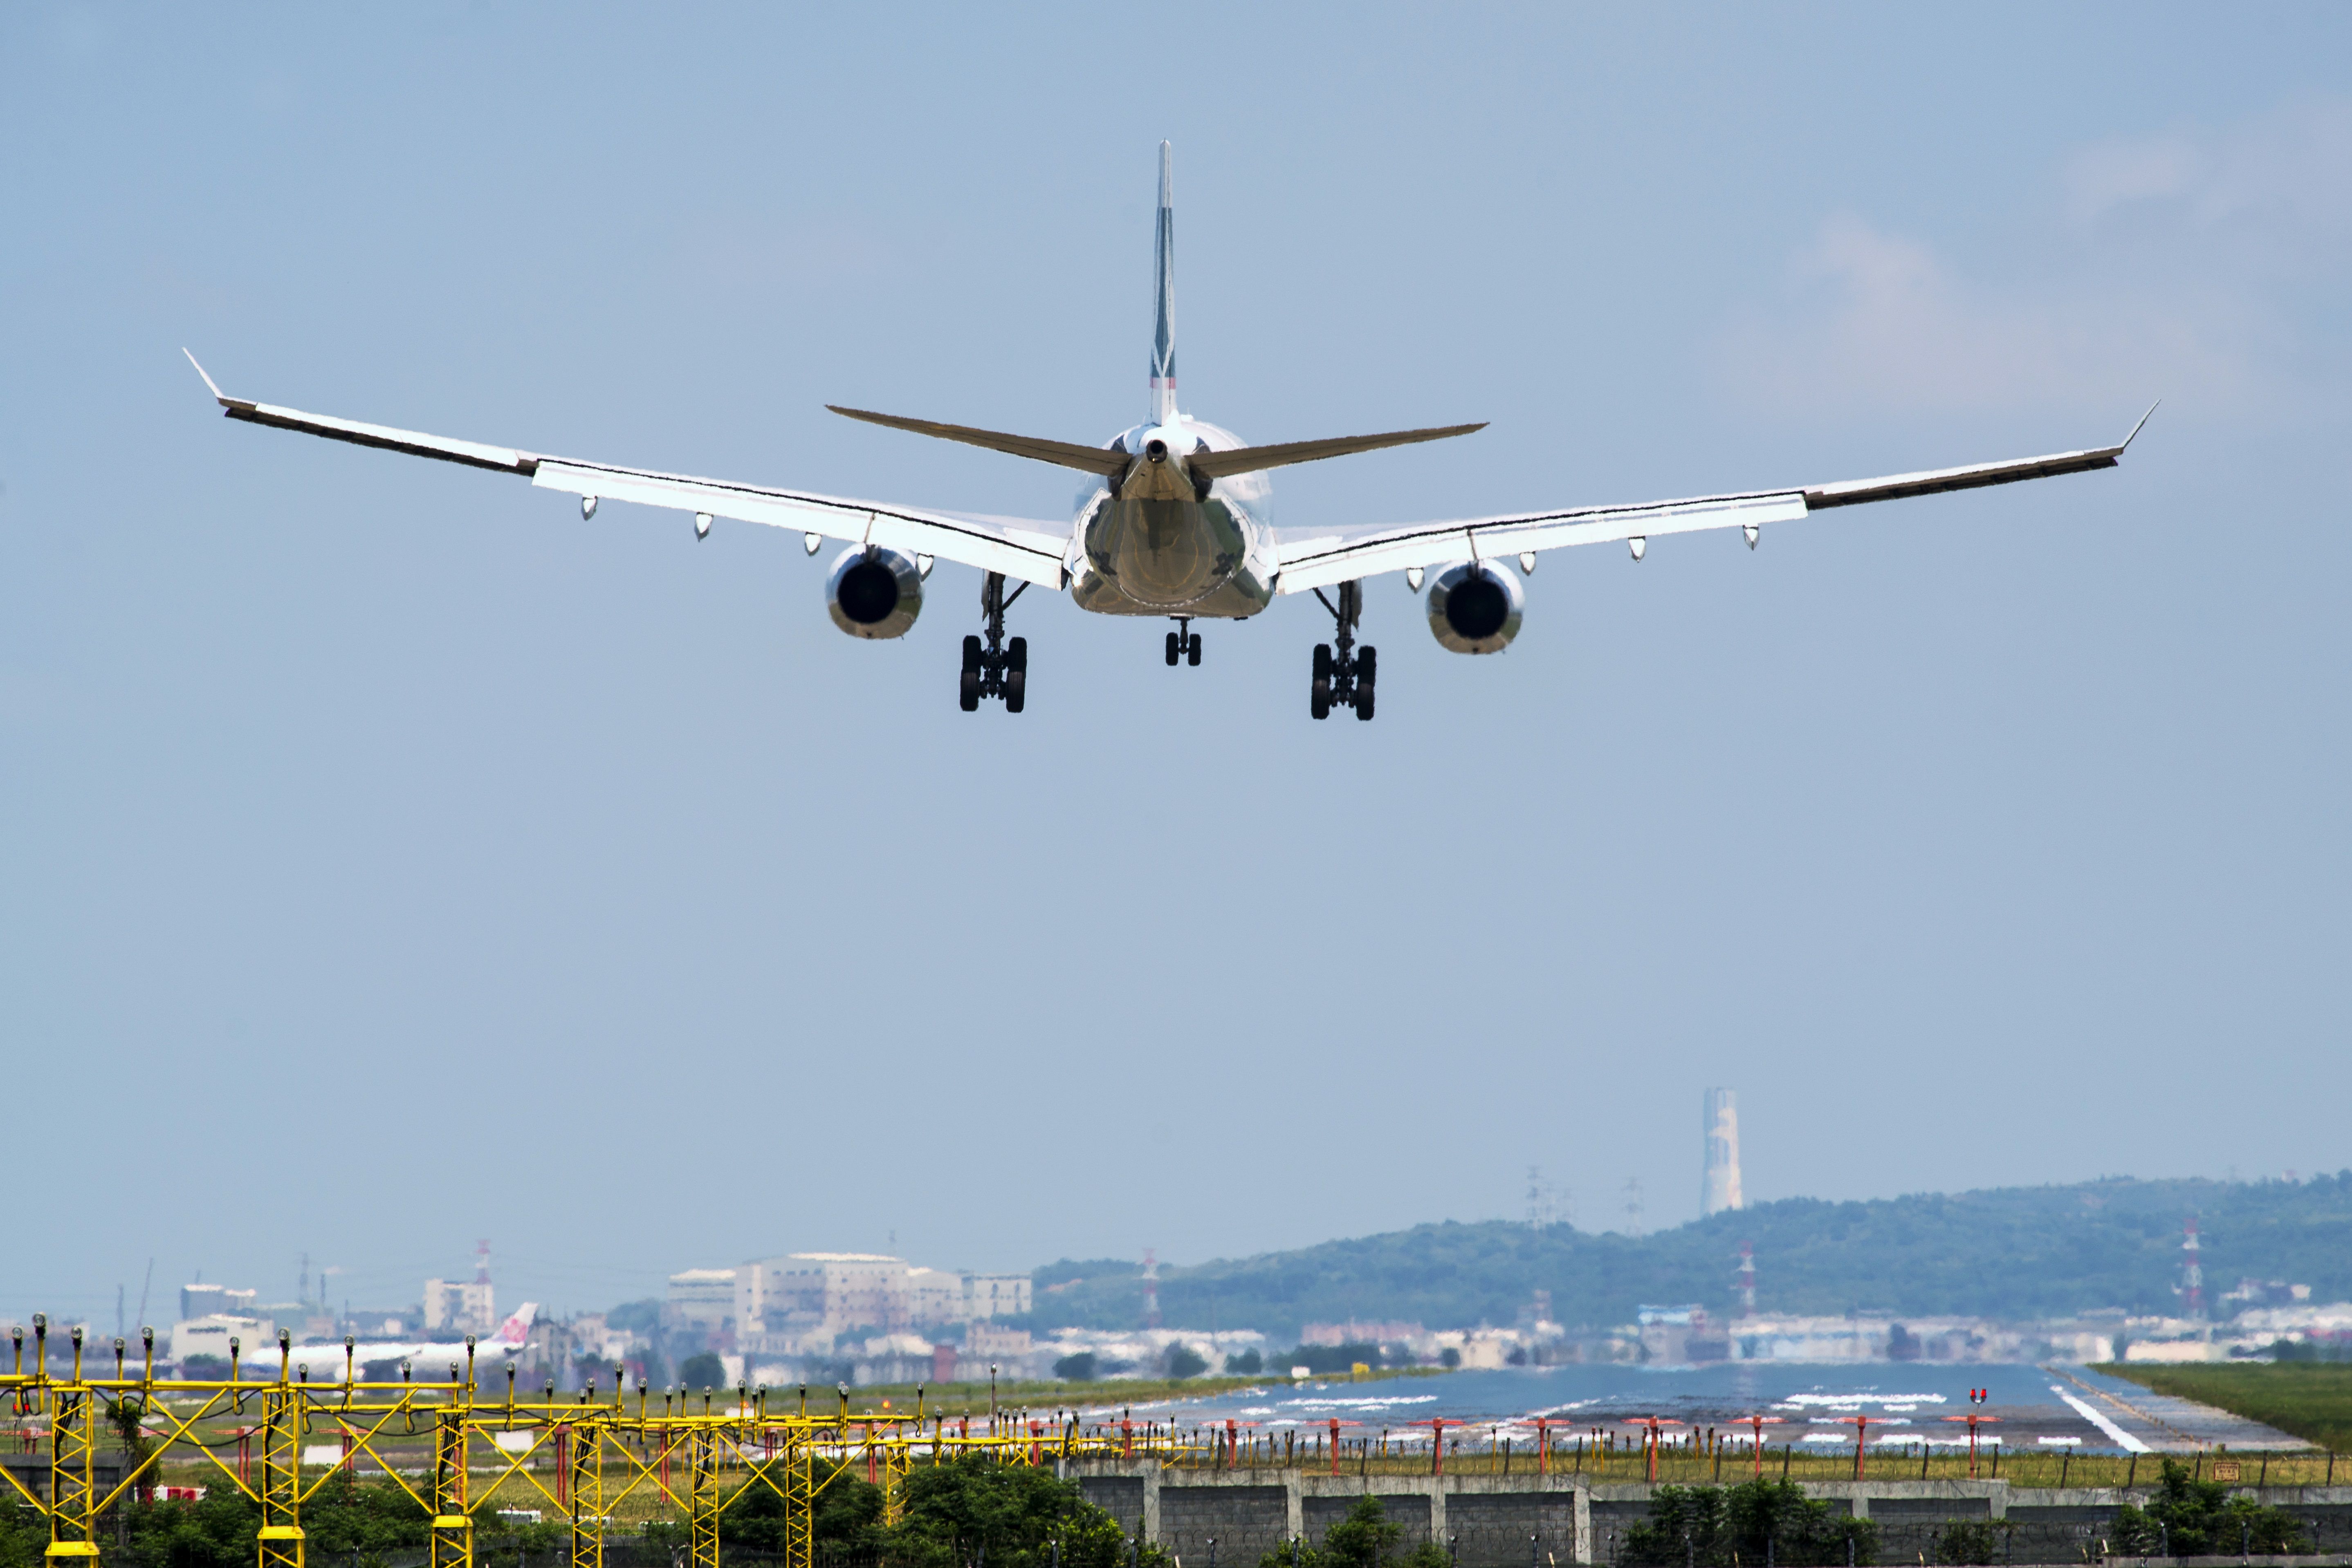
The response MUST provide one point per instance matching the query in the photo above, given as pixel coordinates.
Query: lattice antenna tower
(1634, 1207)
(1543, 1201)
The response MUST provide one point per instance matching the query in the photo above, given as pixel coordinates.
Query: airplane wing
(1031, 551)
(1319, 561)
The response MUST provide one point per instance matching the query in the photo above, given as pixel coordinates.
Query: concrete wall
(1531, 1521)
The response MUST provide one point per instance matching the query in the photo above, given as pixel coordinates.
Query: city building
(213, 1300)
(804, 1301)
(987, 1296)
(461, 1307)
(209, 1335)
(467, 1308)
(701, 1298)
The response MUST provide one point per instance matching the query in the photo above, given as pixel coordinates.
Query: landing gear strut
(1343, 679)
(1183, 644)
(1001, 668)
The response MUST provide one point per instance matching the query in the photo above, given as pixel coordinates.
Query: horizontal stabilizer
(1067, 454)
(1250, 460)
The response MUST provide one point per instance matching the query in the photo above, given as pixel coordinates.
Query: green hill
(2009, 1252)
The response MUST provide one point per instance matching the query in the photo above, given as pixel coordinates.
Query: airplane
(431, 1360)
(1172, 521)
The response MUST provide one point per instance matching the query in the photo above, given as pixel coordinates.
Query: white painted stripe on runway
(2130, 1443)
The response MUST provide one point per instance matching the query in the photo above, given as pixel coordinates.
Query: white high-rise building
(1718, 1187)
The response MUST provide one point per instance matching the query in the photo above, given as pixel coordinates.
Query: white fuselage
(1151, 543)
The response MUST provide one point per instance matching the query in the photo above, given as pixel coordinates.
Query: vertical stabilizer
(1163, 326)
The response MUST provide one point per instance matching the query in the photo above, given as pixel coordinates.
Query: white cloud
(2282, 181)
(2181, 264)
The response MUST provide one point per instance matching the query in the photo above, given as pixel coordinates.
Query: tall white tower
(1719, 1186)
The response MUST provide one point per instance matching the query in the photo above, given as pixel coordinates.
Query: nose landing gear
(1183, 644)
(1001, 668)
(1343, 679)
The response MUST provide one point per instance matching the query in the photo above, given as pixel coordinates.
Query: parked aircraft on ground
(430, 1359)
(1174, 521)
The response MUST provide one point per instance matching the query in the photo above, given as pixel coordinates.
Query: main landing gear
(1344, 678)
(1001, 668)
(1183, 644)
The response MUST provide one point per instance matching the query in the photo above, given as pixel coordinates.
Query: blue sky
(393, 858)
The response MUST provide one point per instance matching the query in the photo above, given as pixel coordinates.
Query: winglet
(2134, 429)
(217, 395)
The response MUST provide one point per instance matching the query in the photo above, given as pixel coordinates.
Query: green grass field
(2311, 1400)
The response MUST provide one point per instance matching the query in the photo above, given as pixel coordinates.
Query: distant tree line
(2012, 1253)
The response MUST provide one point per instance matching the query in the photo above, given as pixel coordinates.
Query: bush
(1013, 1516)
(847, 1517)
(1184, 1361)
(1249, 1363)
(1716, 1525)
(1078, 1368)
(1367, 1538)
(343, 1521)
(703, 1371)
(2199, 1518)
(1335, 1358)
(1972, 1541)
(23, 1534)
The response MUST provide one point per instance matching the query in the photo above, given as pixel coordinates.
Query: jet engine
(1475, 607)
(874, 593)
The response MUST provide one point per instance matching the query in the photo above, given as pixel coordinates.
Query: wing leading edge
(1319, 562)
(1030, 552)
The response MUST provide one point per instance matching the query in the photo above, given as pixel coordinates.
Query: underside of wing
(1030, 552)
(1319, 560)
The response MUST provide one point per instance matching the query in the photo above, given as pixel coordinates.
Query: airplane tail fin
(516, 1329)
(1163, 327)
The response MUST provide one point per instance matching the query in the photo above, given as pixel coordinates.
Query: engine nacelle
(874, 593)
(1477, 608)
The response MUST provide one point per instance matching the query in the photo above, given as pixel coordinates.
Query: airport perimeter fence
(1721, 1459)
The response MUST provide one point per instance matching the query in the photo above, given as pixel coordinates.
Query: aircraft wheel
(1364, 700)
(971, 653)
(1016, 655)
(1193, 651)
(1174, 648)
(968, 693)
(1016, 689)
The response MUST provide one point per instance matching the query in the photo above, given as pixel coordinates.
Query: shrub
(1078, 1368)
(1012, 1515)
(1367, 1538)
(1716, 1525)
(1972, 1541)
(2200, 1518)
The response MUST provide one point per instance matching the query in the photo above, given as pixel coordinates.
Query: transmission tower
(1634, 1207)
(1543, 1206)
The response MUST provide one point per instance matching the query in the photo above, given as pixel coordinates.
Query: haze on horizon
(395, 860)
